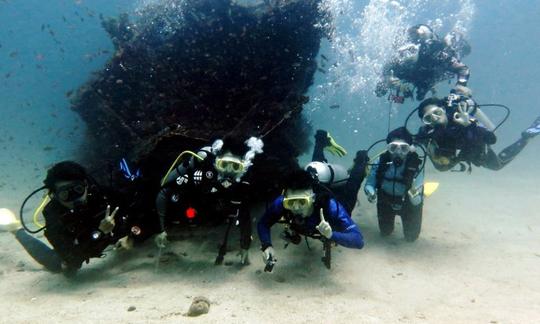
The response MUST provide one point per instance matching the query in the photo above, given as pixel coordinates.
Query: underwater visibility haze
(123, 87)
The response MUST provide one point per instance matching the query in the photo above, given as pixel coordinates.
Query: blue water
(38, 67)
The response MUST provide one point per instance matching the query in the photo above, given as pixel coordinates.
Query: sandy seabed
(476, 261)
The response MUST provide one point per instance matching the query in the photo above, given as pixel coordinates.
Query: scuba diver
(343, 183)
(307, 210)
(209, 188)
(396, 183)
(457, 132)
(79, 221)
(424, 61)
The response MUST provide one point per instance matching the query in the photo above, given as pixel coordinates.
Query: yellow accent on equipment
(38, 211)
(430, 188)
(176, 162)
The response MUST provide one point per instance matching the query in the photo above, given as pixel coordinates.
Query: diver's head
(299, 197)
(432, 112)
(234, 156)
(421, 33)
(67, 182)
(399, 144)
(456, 41)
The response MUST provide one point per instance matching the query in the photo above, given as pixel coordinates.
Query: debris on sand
(200, 306)
(131, 308)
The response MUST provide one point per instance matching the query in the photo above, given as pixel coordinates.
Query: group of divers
(212, 185)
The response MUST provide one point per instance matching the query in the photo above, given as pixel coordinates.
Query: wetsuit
(74, 234)
(194, 194)
(447, 146)
(393, 182)
(346, 192)
(344, 231)
(436, 62)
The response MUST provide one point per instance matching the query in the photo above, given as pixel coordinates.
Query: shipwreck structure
(185, 72)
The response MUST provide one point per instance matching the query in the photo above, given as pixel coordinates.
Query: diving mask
(71, 192)
(399, 148)
(434, 116)
(230, 165)
(298, 204)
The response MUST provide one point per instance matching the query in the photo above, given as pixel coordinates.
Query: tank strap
(332, 173)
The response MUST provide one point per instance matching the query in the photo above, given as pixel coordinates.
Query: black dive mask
(71, 193)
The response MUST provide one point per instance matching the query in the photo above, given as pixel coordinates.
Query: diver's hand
(269, 254)
(461, 116)
(161, 240)
(125, 243)
(107, 224)
(370, 193)
(324, 228)
(244, 256)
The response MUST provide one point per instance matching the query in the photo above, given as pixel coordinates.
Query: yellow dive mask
(230, 165)
(295, 203)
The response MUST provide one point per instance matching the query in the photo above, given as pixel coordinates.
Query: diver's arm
(462, 71)
(349, 235)
(270, 217)
(484, 119)
(372, 177)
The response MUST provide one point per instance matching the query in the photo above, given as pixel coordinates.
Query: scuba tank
(330, 175)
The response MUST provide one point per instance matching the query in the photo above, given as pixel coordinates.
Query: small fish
(48, 148)
(13, 54)
(321, 70)
(42, 27)
(7, 75)
(69, 93)
(334, 107)
(64, 18)
(324, 57)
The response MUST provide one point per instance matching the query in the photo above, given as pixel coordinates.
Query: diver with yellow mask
(209, 188)
(307, 210)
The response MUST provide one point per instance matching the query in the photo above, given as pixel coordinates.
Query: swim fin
(430, 188)
(334, 147)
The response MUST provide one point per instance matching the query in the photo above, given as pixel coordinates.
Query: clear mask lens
(229, 165)
(297, 203)
(433, 116)
(399, 148)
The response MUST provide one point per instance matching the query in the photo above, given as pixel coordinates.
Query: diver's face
(398, 149)
(434, 116)
(230, 165)
(70, 193)
(299, 202)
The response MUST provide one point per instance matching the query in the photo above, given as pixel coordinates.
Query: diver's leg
(498, 161)
(386, 216)
(39, 251)
(356, 177)
(412, 221)
(321, 141)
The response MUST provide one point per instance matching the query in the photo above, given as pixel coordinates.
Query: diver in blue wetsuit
(306, 211)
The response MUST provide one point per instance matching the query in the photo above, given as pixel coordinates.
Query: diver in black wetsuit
(79, 221)
(343, 183)
(210, 188)
(453, 134)
(424, 61)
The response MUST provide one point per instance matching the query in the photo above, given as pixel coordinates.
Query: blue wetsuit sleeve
(345, 232)
(270, 217)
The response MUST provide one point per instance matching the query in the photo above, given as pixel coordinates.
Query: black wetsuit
(447, 146)
(436, 62)
(194, 195)
(74, 234)
(346, 193)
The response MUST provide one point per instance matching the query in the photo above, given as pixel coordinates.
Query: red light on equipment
(191, 213)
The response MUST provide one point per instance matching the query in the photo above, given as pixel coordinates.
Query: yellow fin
(430, 188)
